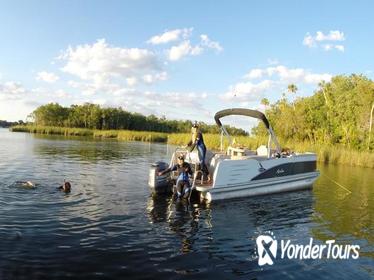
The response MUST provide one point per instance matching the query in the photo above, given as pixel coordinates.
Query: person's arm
(192, 147)
(192, 143)
(167, 170)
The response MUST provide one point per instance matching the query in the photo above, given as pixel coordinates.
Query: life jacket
(183, 171)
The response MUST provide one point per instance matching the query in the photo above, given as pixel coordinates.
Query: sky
(179, 59)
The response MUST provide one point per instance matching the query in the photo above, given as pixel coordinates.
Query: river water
(110, 227)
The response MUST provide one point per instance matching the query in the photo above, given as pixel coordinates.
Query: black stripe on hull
(287, 169)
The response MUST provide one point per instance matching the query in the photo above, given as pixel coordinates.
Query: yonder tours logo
(267, 247)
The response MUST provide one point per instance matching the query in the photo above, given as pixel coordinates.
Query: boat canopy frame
(248, 113)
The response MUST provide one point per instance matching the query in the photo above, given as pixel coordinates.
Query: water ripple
(110, 227)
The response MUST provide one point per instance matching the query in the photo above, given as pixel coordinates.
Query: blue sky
(185, 60)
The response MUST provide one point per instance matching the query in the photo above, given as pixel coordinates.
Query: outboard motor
(159, 184)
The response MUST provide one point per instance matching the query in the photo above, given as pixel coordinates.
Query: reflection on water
(344, 214)
(110, 226)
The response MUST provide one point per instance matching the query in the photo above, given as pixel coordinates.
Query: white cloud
(11, 90)
(91, 88)
(255, 74)
(329, 47)
(309, 41)
(319, 38)
(60, 93)
(47, 77)
(288, 75)
(15, 95)
(170, 36)
(99, 63)
(316, 78)
(131, 81)
(150, 79)
(333, 35)
(100, 101)
(184, 46)
(340, 48)
(206, 42)
(276, 79)
(180, 105)
(183, 49)
(247, 91)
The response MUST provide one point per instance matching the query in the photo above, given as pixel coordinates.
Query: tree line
(4, 123)
(93, 116)
(339, 112)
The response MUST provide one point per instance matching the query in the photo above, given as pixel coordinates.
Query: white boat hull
(261, 187)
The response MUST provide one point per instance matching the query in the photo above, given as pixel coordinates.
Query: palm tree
(371, 122)
(322, 85)
(265, 102)
(292, 88)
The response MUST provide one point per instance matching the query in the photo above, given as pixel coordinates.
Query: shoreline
(325, 153)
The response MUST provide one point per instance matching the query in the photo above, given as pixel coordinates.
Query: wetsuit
(201, 149)
(183, 182)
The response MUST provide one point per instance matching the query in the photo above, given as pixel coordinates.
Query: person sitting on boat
(198, 142)
(183, 182)
(66, 187)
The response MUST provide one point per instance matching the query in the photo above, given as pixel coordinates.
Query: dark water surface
(110, 227)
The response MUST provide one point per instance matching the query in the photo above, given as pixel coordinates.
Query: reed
(131, 135)
(325, 153)
(124, 135)
(53, 130)
(337, 154)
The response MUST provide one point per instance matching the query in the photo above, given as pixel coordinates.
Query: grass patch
(123, 135)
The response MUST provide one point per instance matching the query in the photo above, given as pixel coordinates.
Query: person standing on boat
(197, 141)
(183, 181)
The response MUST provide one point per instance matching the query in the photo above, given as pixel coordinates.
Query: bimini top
(241, 112)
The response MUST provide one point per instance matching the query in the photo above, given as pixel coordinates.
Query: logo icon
(266, 249)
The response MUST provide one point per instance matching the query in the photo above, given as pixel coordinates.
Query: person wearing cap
(183, 182)
(197, 141)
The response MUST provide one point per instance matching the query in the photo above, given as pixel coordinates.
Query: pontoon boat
(239, 172)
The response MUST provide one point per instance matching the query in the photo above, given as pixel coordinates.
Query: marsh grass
(325, 153)
(130, 135)
(124, 135)
(53, 130)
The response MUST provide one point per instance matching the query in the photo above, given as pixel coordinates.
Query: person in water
(197, 141)
(66, 187)
(26, 184)
(183, 182)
